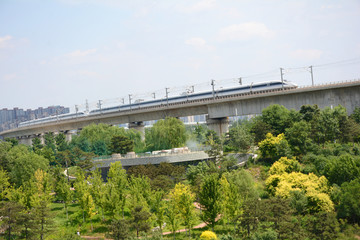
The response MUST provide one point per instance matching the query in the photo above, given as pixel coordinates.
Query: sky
(67, 52)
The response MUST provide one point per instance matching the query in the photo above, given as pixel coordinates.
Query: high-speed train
(250, 88)
(52, 119)
(270, 85)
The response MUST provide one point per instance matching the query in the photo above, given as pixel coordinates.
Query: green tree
(4, 155)
(49, 140)
(60, 142)
(277, 116)
(23, 164)
(98, 190)
(184, 200)
(172, 214)
(140, 192)
(64, 193)
(36, 144)
(119, 229)
(117, 189)
(309, 112)
(100, 148)
(349, 206)
(298, 137)
(322, 226)
(259, 129)
(274, 147)
(121, 144)
(158, 208)
(166, 134)
(140, 220)
(210, 197)
(82, 191)
(10, 213)
(342, 169)
(4, 183)
(240, 138)
(356, 115)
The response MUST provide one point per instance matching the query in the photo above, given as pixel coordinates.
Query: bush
(208, 235)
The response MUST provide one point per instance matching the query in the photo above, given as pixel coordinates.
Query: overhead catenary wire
(218, 84)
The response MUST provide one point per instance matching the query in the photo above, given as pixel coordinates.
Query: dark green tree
(10, 213)
(13, 141)
(349, 206)
(298, 137)
(140, 220)
(356, 115)
(100, 148)
(36, 144)
(121, 144)
(277, 116)
(60, 142)
(119, 229)
(322, 226)
(309, 112)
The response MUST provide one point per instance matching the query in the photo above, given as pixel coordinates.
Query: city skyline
(64, 52)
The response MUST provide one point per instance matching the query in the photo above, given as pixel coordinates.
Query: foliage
(140, 220)
(240, 138)
(316, 189)
(116, 190)
(274, 147)
(184, 198)
(166, 134)
(285, 165)
(356, 114)
(277, 116)
(208, 235)
(23, 164)
(349, 206)
(298, 136)
(121, 144)
(209, 198)
(119, 229)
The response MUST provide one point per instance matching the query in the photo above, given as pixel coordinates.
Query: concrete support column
(41, 137)
(26, 140)
(140, 127)
(219, 125)
(68, 135)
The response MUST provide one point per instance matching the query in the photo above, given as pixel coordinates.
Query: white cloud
(245, 31)
(9, 77)
(307, 54)
(86, 73)
(198, 43)
(331, 6)
(199, 6)
(5, 41)
(79, 53)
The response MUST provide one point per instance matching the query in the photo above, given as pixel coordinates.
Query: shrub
(208, 235)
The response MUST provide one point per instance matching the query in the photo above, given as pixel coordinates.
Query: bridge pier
(140, 127)
(68, 135)
(27, 140)
(219, 125)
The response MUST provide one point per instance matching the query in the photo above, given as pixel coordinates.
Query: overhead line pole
(312, 76)
(213, 88)
(282, 78)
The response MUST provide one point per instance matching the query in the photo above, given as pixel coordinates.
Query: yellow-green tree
(184, 200)
(208, 235)
(274, 147)
(282, 183)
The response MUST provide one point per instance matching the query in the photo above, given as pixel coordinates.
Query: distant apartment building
(10, 118)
